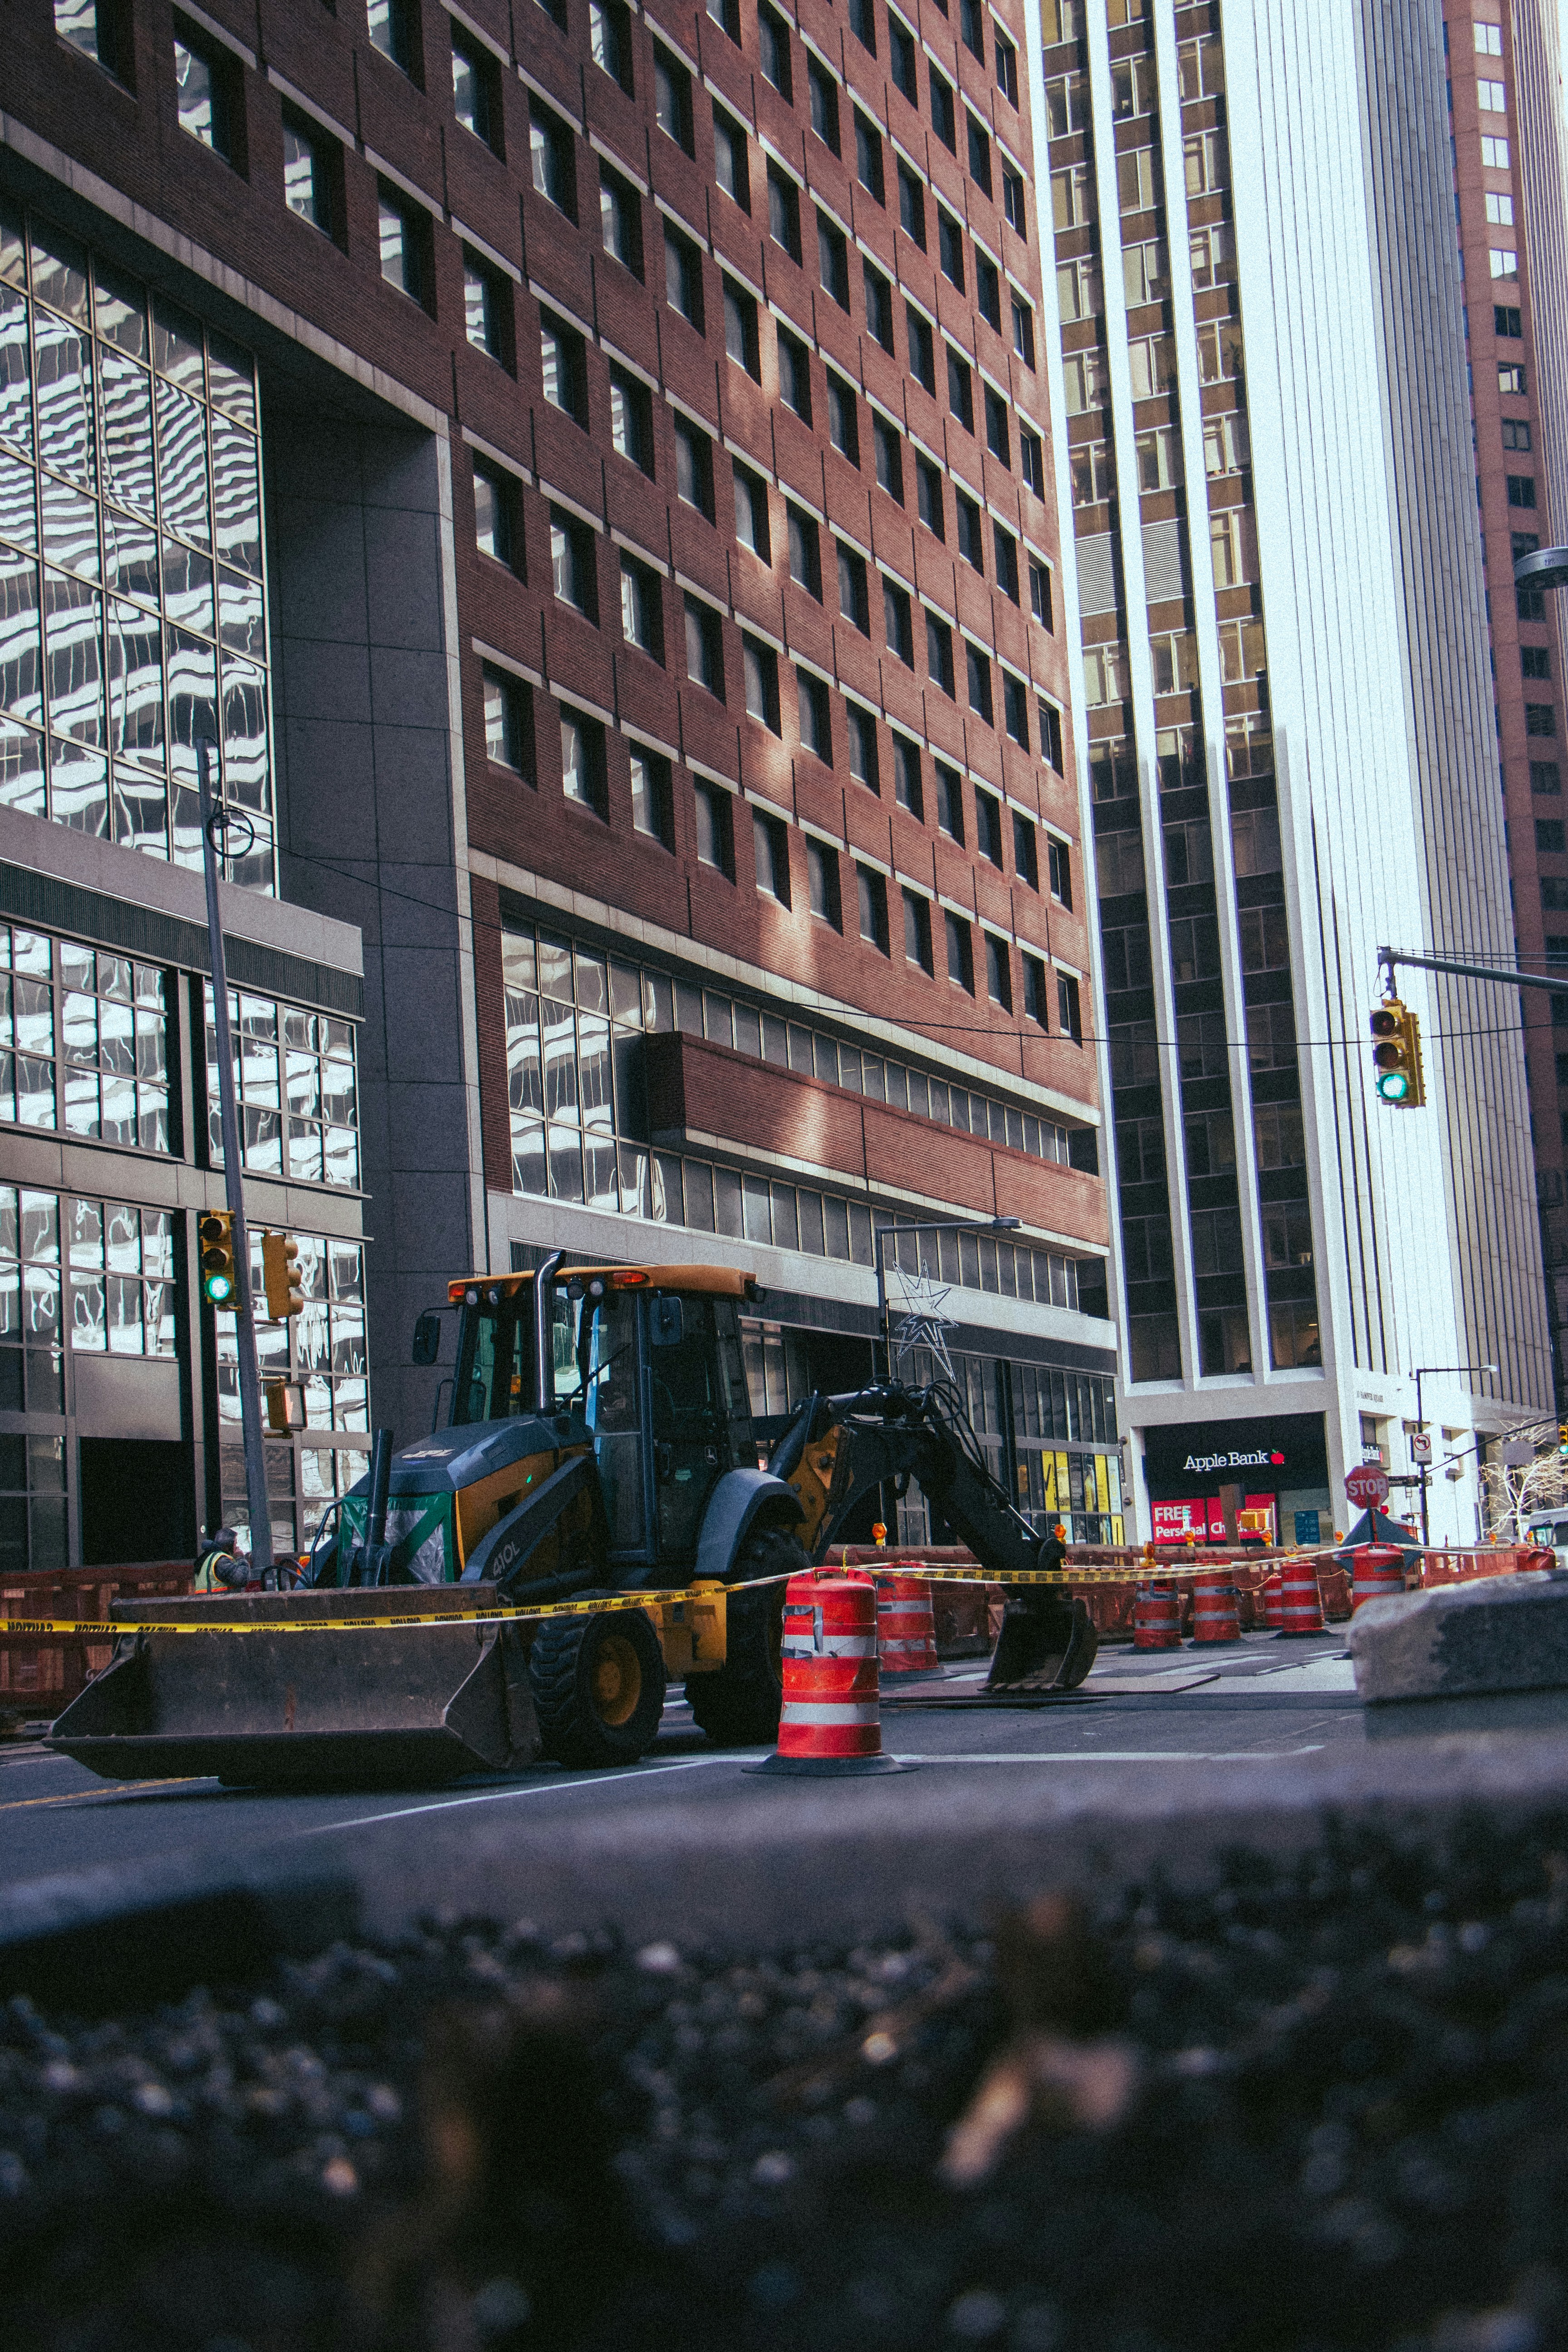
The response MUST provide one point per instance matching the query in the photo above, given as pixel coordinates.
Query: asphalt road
(1134, 1771)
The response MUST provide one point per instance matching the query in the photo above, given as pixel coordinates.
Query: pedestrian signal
(1396, 1054)
(280, 1271)
(215, 1239)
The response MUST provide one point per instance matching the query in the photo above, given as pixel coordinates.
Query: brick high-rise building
(663, 652)
(1505, 97)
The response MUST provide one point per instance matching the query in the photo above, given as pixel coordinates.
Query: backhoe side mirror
(427, 1337)
(667, 1322)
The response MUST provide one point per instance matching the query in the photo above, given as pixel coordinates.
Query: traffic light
(1563, 1440)
(280, 1271)
(1396, 1054)
(215, 1239)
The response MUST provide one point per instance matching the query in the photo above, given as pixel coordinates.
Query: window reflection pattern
(132, 599)
(297, 1096)
(121, 1265)
(575, 1020)
(107, 1072)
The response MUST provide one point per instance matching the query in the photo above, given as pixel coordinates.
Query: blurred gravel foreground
(1320, 2104)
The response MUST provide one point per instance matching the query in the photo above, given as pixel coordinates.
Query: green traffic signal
(214, 1237)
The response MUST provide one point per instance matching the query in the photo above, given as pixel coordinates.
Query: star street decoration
(924, 1324)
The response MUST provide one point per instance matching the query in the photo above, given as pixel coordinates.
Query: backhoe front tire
(598, 1687)
(738, 1706)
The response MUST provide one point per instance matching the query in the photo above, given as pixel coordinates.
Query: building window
(863, 25)
(572, 563)
(1544, 777)
(833, 260)
(878, 306)
(507, 718)
(843, 417)
(1494, 154)
(950, 247)
(998, 971)
(1521, 490)
(794, 375)
(751, 512)
(209, 93)
(889, 451)
(862, 732)
(1060, 863)
(917, 932)
(496, 515)
(404, 235)
(1013, 201)
(988, 289)
(1006, 59)
(923, 349)
(959, 951)
(760, 665)
(726, 15)
(772, 36)
(988, 825)
(583, 767)
(631, 420)
(476, 89)
(868, 157)
(911, 205)
(564, 363)
(1491, 97)
(872, 891)
(704, 646)
(1154, 1347)
(907, 787)
(652, 796)
(902, 58)
(805, 550)
(730, 164)
(487, 309)
(824, 102)
(1016, 708)
(694, 467)
(977, 677)
(1031, 460)
(1515, 433)
(1507, 323)
(969, 545)
(1540, 718)
(1050, 719)
(1294, 1337)
(938, 653)
(642, 607)
(943, 119)
(610, 41)
(950, 802)
(740, 340)
(815, 715)
(822, 881)
(854, 603)
(620, 220)
(394, 31)
(897, 622)
(1069, 1014)
(715, 828)
(294, 1077)
(672, 99)
(683, 275)
(98, 29)
(308, 173)
(927, 479)
(1025, 850)
(1504, 261)
(960, 389)
(783, 211)
(979, 155)
(770, 841)
(1535, 661)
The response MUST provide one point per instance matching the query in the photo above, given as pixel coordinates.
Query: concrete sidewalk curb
(115, 1937)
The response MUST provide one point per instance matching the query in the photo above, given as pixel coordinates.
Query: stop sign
(1367, 1484)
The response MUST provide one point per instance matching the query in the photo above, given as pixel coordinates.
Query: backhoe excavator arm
(839, 1448)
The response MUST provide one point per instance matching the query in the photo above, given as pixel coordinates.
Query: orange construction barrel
(1379, 1569)
(1215, 1614)
(1157, 1618)
(1302, 1609)
(830, 1722)
(906, 1627)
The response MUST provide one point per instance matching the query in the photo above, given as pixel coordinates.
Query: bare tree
(1513, 1497)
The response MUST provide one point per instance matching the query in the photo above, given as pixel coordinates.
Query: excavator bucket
(1048, 1642)
(285, 1704)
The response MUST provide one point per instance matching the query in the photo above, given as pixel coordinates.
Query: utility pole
(216, 820)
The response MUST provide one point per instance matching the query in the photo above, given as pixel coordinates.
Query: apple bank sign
(1204, 1464)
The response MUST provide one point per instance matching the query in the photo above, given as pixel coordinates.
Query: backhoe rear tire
(598, 1687)
(738, 1706)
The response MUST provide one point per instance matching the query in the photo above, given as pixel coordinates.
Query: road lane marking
(1120, 1756)
(494, 1796)
(99, 1796)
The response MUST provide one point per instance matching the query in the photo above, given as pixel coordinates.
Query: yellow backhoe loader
(598, 1441)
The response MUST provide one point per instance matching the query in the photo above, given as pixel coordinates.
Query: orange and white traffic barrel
(1379, 1569)
(830, 1722)
(1303, 1604)
(906, 1626)
(1157, 1618)
(1272, 1596)
(1215, 1614)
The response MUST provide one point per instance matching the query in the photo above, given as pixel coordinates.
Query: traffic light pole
(1389, 957)
(215, 824)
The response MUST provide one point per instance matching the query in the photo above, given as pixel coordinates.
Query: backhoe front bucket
(356, 1706)
(1048, 1642)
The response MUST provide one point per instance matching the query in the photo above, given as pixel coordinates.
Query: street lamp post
(1426, 1372)
(932, 1225)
